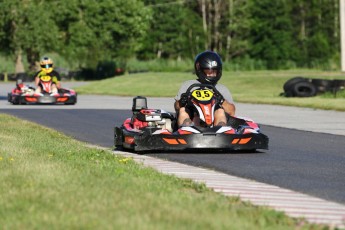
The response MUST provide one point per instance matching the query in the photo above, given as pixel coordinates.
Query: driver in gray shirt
(208, 68)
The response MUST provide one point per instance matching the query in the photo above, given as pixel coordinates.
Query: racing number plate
(202, 94)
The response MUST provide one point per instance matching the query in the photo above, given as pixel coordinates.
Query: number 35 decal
(202, 94)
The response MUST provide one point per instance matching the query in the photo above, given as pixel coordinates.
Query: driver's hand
(219, 99)
(183, 100)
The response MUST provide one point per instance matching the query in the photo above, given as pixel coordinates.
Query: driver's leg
(219, 117)
(183, 118)
(54, 89)
(196, 120)
(38, 90)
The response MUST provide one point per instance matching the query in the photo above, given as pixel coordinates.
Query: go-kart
(25, 94)
(155, 129)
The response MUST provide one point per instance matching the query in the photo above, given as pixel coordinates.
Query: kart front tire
(9, 97)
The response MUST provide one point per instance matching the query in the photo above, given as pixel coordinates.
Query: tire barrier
(307, 87)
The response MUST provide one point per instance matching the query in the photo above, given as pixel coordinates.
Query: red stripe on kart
(241, 141)
(244, 140)
(31, 99)
(232, 131)
(182, 132)
(171, 141)
(182, 141)
(129, 140)
(62, 99)
(234, 141)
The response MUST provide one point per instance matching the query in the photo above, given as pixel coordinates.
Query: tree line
(277, 34)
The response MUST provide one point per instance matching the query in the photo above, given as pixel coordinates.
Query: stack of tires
(306, 87)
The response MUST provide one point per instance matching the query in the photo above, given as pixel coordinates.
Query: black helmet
(208, 61)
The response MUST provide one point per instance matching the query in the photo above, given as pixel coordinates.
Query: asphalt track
(311, 162)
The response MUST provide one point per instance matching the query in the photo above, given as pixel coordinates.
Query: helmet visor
(210, 72)
(47, 66)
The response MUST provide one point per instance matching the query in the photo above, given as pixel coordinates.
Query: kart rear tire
(14, 101)
(304, 89)
(289, 85)
(72, 102)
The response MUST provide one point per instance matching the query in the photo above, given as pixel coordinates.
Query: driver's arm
(228, 104)
(57, 80)
(58, 85)
(177, 106)
(229, 108)
(37, 78)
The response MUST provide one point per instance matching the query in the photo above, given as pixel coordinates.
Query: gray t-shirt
(221, 88)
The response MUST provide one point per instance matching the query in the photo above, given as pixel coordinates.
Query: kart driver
(208, 68)
(47, 71)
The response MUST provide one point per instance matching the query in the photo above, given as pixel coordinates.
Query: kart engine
(154, 119)
(151, 117)
(27, 90)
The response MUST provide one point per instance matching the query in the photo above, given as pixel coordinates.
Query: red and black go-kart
(155, 129)
(25, 94)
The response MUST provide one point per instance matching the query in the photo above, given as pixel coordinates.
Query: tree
(94, 31)
(28, 29)
(174, 31)
(317, 23)
(84, 31)
(270, 32)
(236, 35)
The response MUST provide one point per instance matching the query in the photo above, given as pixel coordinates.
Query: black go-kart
(156, 129)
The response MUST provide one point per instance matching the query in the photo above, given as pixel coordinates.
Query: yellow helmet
(46, 64)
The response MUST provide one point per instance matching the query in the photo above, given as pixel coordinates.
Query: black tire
(9, 96)
(304, 89)
(288, 86)
(322, 85)
(14, 101)
(293, 81)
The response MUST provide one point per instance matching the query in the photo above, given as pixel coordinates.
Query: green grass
(50, 181)
(246, 86)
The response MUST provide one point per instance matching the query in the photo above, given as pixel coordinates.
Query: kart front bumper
(148, 142)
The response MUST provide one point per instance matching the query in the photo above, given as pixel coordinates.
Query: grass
(50, 181)
(262, 87)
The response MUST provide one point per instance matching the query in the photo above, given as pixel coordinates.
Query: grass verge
(263, 87)
(50, 181)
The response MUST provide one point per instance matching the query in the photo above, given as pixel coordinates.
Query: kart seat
(139, 103)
